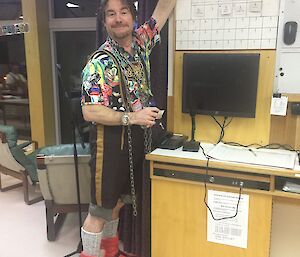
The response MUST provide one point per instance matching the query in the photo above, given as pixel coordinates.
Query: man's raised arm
(162, 12)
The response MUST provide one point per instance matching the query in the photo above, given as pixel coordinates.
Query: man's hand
(162, 12)
(145, 117)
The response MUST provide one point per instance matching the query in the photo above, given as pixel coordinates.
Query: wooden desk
(179, 215)
(22, 101)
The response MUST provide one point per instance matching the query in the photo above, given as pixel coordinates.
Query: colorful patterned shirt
(100, 78)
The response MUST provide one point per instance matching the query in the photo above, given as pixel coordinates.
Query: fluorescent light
(71, 5)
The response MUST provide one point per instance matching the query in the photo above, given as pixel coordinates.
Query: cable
(222, 126)
(268, 146)
(205, 192)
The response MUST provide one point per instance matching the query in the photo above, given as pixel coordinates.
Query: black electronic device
(220, 84)
(191, 146)
(290, 32)
(295, 108)
(172, 141)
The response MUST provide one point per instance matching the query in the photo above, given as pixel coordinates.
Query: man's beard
(121, 35)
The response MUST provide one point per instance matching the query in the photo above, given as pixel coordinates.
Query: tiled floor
(23, 228)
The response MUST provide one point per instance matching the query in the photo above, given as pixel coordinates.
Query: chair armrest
(40, 162)
(24, 144)
(32, 142)
(30, 145)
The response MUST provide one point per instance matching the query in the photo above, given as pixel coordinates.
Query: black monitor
(220, 84)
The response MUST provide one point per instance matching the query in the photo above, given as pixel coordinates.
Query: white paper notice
(233, 231)
(279, 105)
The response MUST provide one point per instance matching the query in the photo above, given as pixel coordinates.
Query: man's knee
(108, 214)
(93, 224)
(100, 212)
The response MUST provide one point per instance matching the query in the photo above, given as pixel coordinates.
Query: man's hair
(128, 3)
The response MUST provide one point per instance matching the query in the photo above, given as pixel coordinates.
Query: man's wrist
(125, 119)
(132, 118)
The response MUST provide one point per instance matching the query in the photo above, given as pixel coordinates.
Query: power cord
(268, 146)
(205, 192)
(222, 126)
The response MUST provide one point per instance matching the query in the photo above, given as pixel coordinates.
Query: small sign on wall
(279, 105)
(14, 29)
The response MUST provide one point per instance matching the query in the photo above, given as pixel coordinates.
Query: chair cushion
(27, 161)
(11, 134)
(64, 149)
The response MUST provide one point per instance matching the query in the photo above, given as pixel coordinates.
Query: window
(75, 8)
(10, 10)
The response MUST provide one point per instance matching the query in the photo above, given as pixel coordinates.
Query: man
(116, 97)
(16, 82)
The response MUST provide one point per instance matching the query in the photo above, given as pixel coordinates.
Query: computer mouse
(290, 32)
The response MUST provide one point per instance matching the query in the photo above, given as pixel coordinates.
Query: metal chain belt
(131, 173)
(147, 144)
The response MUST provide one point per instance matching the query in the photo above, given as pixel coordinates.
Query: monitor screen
(220, 84)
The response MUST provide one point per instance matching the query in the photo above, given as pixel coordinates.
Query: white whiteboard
(226, 24)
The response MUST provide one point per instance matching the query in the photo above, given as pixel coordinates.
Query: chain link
(131, 173)
(147, 145)
(148, 140)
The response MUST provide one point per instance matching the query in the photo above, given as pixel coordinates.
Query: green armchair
(56, 172)
(14, 162)
(53, 169)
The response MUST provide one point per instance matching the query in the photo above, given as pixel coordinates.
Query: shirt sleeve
(148, 35)
(100, 82)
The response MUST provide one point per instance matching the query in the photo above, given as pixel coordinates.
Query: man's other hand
(145, 117)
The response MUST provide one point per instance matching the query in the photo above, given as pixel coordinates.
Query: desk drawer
(212, 179)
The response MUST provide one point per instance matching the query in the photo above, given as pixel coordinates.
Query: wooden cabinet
(179, 215)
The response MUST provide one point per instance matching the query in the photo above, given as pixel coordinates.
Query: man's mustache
(118, 26)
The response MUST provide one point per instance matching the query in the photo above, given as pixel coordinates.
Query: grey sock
(91, 242)
(110, 228)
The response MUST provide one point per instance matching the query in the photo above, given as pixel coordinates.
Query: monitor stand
(192, 145)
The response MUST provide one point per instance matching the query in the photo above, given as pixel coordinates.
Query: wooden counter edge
(243, 167)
